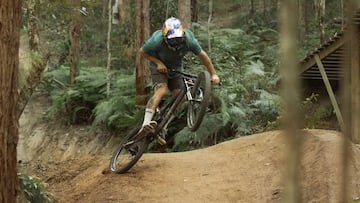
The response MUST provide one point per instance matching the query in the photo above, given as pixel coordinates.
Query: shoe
(161, 140)
(146, 129)
(161, 137)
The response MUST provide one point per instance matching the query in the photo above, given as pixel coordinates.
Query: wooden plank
(330, 49)
(330, 92)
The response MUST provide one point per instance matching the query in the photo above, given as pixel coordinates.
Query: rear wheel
(128, 152)
(200, 99)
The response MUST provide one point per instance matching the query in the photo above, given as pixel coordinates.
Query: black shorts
(172, 83)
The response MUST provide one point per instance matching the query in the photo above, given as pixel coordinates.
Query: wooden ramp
(331, 55)
(323, 71)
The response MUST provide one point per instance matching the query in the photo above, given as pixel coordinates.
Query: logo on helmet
(173, 28)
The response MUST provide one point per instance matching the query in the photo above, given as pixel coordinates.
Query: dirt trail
(247, 169)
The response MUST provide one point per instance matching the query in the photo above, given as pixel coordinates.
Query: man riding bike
(165, 49)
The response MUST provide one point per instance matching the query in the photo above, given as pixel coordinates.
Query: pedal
(161, 140)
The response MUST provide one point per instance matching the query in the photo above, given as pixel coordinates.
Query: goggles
(175, 42)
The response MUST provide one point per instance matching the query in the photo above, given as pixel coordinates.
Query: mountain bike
(196, 92)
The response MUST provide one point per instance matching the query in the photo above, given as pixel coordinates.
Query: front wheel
(128, 152)
(200, 99)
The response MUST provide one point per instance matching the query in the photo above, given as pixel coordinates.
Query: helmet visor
(175, 42)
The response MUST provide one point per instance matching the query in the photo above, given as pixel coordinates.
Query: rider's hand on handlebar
(215, 80)
(161, 68)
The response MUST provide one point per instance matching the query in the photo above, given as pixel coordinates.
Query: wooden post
(330, 92)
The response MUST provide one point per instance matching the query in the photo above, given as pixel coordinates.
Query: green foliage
(85, 101)
(356, 200)
(158, 11)
(28, 60)
(314, 111)
(247, 100)
(119, 110)
(75, 103)
(245, 59)
(186, 140)
(33, 190)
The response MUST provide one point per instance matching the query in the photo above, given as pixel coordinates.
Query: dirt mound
(248, 169)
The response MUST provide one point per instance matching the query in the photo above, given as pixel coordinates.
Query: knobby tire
(136, 150)
(197, 109)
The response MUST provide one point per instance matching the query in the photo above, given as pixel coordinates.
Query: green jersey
(173, 59)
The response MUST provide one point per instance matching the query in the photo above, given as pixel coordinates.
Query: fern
(117, 112)
(33, 190)
(268, 104)
(75, 102)
(247, 100)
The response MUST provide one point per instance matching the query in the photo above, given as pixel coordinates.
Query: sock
(149, 113)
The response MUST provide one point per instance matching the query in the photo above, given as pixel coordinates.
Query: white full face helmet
(173, 33)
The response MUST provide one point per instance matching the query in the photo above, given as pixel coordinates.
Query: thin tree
(264, 8)
(167, 9)
(194, 11)
(142, 31)
(32, 25)
(252, 8)
(74, 39)
(302, 22)
(291, 98)
(184, 10)
(108, 48)
(37, 66)
(10, 17)
(122, 11)
(320, 17)
(342, 7)
(209, 22)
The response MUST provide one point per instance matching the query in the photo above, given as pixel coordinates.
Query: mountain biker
(165, 49)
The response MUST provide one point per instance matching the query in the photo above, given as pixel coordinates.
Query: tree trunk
(194, 11)
(307, 11)
(9, 69)
(264, 8)
(32, 81)
(252, 8)
(208, 24)
(142, 27)
(302, 29)
(184, 10)
(320, 16)
(291, 98)
(75, 40)
(108, 48)
(37, 66)
(274, 5)
(342, 11)
(122, 12)
(33, 32)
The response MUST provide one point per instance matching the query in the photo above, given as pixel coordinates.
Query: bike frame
(165, 114)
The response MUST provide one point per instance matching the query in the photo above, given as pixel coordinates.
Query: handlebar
(188, 75)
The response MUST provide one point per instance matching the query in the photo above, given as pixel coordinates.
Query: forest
(93, 76)
(82, 55)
